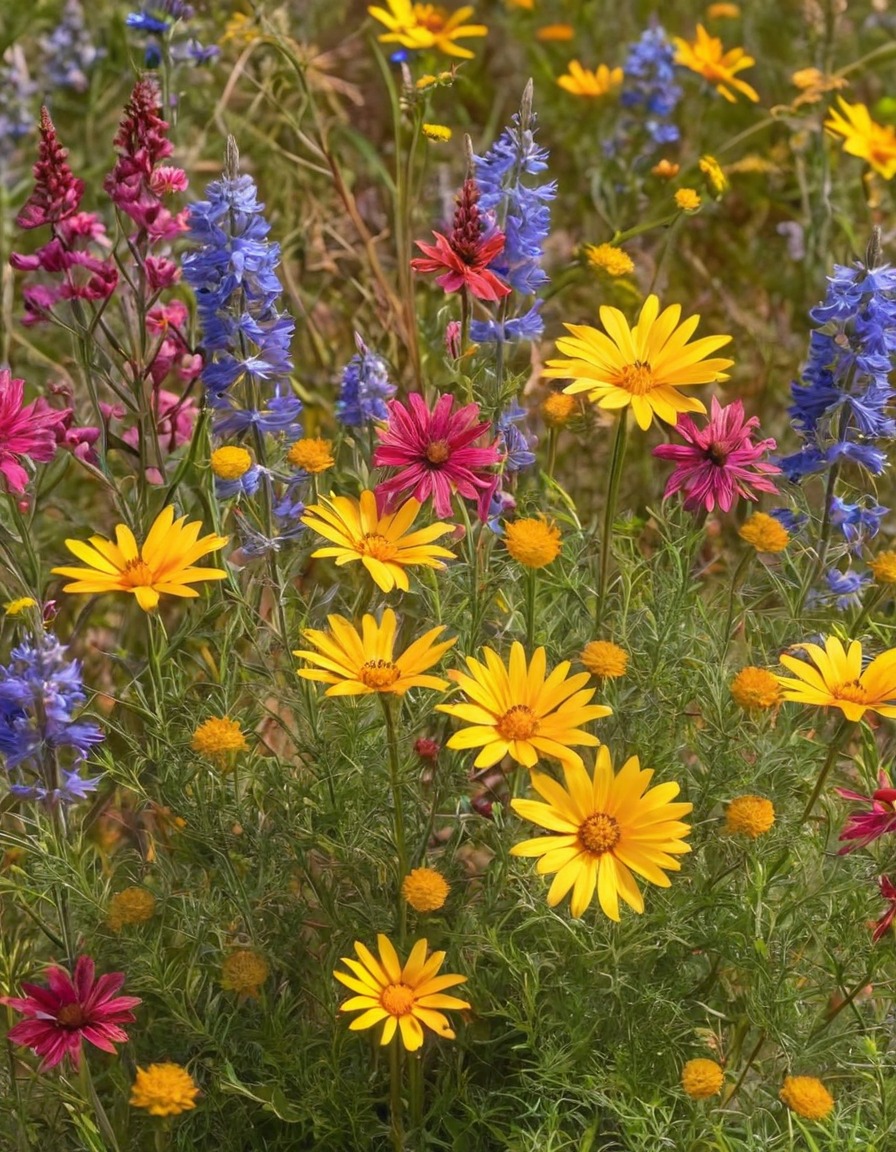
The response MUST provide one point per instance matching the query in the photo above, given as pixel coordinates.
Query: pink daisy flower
(887, 892)
(69, 1011)
(26, 430)
(434, 452)
(863, 827)
(720, 461)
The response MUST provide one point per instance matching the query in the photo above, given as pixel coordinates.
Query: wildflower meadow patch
(447, 576)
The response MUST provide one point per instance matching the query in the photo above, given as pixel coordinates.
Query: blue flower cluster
(650, 92)
(40, 693)
(841, 407)
(156, 20)
(246, 337)
(365, 388)
(69, 51)
(520, 209)
(18, 116)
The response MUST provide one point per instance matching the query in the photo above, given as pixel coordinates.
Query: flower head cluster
(74, 258)
(365, 388)
(41, 693)
(164, 1090)
(69, 50)
(164, 22)
(518, 199)
(71, 1009)
(435, 452)
(807, 1096)
(720, 463)
(702, 1078)
(650, 93)
(841, 407)
(464, 257)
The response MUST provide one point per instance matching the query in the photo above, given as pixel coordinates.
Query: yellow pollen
(397, 999)
(136, 574)
(376, 546)
(438, 451)
(852, 690)
(520, 723)
(637, 378)
(378, 674)
(599, 833)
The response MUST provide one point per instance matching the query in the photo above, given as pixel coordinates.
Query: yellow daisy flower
(422, 26)
(358, 664)
(708, 59)
(162, 565)
(642, 366)
(581, 81)
(382, 543)
(405, 997)
(605, 827)
(837, 680)
(863, 137)
(517, 710)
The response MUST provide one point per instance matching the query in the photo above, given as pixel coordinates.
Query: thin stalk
(832, 1015)
(102, 1120)
(415, 1091)
(395, 1106)
(616, 461)
(531, 587)
(837, 742)
(746, 1068)
(736, 580)
(397, 804)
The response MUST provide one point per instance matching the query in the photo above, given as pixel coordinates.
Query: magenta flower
(71, 1010)
(720, 462)
(887, 892)
(863, 827)
(26, 430)
(434, 452)
(57, 191)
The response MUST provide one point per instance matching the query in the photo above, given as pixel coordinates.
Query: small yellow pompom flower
(723, 12)
(715, 177)
(750, 816)
(687, 199)
(702, 1079)
(557, 408)
(438, 132)
(883, 566)
(610, 259)
(756, 689)
(230, 463)
(244, 972)
(605, 659)
(532, 543)
(130, 906)
(807, 1096)
(164, 1090)
(17, 607)
(555, 33)
(666, 170)
(425, 889)
(218, 738)
(311, 454)
(765, 533)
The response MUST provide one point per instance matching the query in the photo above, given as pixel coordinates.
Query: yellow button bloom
(807, 1096)
(164, 1090)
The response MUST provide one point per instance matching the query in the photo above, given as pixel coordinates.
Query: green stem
(746, 1068)
(736, 579)
(837, 742)
(397, 805)
(616, 461)
(102, 1120)
(874, 598)
(415, 1092)
(531, 586)
(395, 1107)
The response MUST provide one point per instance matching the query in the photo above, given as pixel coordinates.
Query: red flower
(28, 430)
(69, 1011)
(721, 462)
(863, 827)
(887, 892)
(434, 453)
(463, 256)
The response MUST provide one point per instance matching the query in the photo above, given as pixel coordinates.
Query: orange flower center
(376, 546)
(637, 378)
(71, 1016)
(397, 999)
(852, 690)
(379, 674)
(429, 17)
(438, 451)
(136, 574)
(520, 723)
(599, 833)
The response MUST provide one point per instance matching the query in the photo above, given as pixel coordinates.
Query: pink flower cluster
(34, 431)
(75, 272)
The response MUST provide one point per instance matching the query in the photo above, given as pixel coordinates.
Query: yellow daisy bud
(425, 889)
(439, 132)
(666, 170)
(532, 543)
(311, 454)
(756, 689)
(687, 199)
(164, 1090)
(604, 659)
(750, 816)
(807, 1096)
(218, 738)
(230, 463)
(557, 408)
(883, 566)
(765, 533)
(702, 1079)
(610, 259)
(244, 972)
(130, 906)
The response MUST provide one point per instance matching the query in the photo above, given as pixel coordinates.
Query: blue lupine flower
(847, 587)
(858, 522)
(650, 91)
(245, 485)
(18, 115)
(513, 442)
(529, 326)
(40, 692)
(365, 388)
(144, 21)
(69, 51)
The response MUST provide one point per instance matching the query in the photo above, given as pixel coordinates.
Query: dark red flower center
(71, 1016)
(437, 451)
(717, 454)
